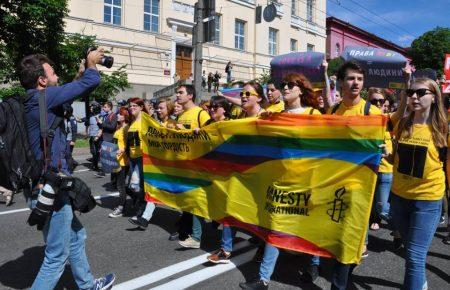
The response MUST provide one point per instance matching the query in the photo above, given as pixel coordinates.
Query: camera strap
(47, 135)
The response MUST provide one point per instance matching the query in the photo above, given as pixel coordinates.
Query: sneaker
(139, 221)
(190, 243)
(442, 220)
(117, 212)
(256, 283)
(104, 282)
(310, 274)
(174, 236)
(365, 254)
(258, 257)
(219, 257)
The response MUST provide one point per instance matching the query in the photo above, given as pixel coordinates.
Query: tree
(37, 26)
(334, 65)
(428, 50)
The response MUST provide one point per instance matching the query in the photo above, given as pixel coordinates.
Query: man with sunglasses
(193, 117)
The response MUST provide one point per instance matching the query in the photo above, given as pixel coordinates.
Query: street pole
(198, 50)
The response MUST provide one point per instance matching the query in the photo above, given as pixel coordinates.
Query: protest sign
(383, 68)
(307, 63)
(108, 157)
(300, 182)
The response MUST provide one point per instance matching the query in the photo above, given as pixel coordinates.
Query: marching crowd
(410, 195)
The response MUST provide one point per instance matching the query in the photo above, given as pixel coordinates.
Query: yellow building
(154, 37)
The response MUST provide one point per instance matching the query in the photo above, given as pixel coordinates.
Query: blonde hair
(373, 90)
(437, 117)
(169, 103)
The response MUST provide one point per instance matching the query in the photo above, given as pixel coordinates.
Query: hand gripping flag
(300, 182)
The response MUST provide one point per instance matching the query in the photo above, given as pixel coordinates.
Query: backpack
(18, 165)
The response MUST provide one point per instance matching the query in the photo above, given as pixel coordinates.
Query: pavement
(147, 260)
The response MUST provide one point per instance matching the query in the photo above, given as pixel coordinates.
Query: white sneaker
(117, 212)
(190, 243)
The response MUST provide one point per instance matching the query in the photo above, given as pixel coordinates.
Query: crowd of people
(411, 190)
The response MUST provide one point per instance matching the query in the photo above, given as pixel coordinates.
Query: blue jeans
(382, 191)
(65, 240)
(228, 234)
(269, 261)
(197, 228)
(416, 220)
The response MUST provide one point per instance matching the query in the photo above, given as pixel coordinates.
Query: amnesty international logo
(339, 206)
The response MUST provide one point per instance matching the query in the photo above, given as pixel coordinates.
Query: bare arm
(397, 115)
(327, 101)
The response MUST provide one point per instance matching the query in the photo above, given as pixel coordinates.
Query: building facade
(341, 34)
(154, 37)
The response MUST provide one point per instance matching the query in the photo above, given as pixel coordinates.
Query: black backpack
(18, 165)
(81, 196)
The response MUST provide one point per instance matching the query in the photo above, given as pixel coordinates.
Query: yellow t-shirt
(236, 111)
(119, 135)
(171, 124)
(356, 110)
(190, 119)
(276, 108)
(134, 138)
(418, 172)
(243, 114)
(385, 166)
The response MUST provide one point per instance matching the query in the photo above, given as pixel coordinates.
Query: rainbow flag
(300, 182)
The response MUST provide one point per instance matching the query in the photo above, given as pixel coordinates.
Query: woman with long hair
(164, 110)
(219, 109)
(134, 138)
(299, 96)
(123, 120)
(252, 100)
(419, 180)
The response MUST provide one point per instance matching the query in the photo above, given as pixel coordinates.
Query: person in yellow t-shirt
(134, 151)
(164, 110)
(252, 100)
(419, 180)
(299, 96)
(276, 104)
(192, 116)
(123, 119)
(380, 208)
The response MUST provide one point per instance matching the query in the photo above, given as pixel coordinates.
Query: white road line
(81, 170)
(207, 273)
(169, 271)
(98, 197)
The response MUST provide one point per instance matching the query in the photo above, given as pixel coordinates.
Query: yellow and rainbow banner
(300, 182)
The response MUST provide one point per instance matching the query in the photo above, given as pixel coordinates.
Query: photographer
(63, 232)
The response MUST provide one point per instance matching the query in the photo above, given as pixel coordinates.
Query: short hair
(30, 69)
(190, 90)
(126, 115)
(109, 104)
(351, 64)
(373, 90)
(139, 102)
(221, 102)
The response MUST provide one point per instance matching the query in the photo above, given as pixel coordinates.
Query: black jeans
(121, 186)
(95, 151)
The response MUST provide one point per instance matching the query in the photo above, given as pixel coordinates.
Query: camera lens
(108, 61)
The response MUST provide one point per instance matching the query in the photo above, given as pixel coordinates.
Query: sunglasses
(290, 85)
(376, 102)
(419, 92)
(248, 93)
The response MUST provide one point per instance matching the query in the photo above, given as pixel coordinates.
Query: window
(151, 15)
(294, 7)
(112, 11)
(293, 45)
(217, 30)
(273, 41)
(338, 50)
(239, 34)
(309, 10)
(310, 47)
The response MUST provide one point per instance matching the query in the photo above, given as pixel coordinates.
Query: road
(147, 260)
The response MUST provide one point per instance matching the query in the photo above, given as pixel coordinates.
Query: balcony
(183, 7)
(296, 21)
(300, 23)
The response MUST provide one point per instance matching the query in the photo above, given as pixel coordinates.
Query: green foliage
(11, 91)
(111, 85)
(428, 50)
(37, 26)
(334, 65)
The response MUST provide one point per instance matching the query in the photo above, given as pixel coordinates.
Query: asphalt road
(147, 260)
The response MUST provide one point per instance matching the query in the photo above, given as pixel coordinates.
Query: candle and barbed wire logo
(339, 206)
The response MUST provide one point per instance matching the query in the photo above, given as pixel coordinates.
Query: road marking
(170, 271)
(207, 273)
(81, 170)
(97, 197)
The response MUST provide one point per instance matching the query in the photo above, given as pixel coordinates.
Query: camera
(107, 61)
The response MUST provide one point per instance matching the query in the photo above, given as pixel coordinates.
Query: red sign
(446, 86)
